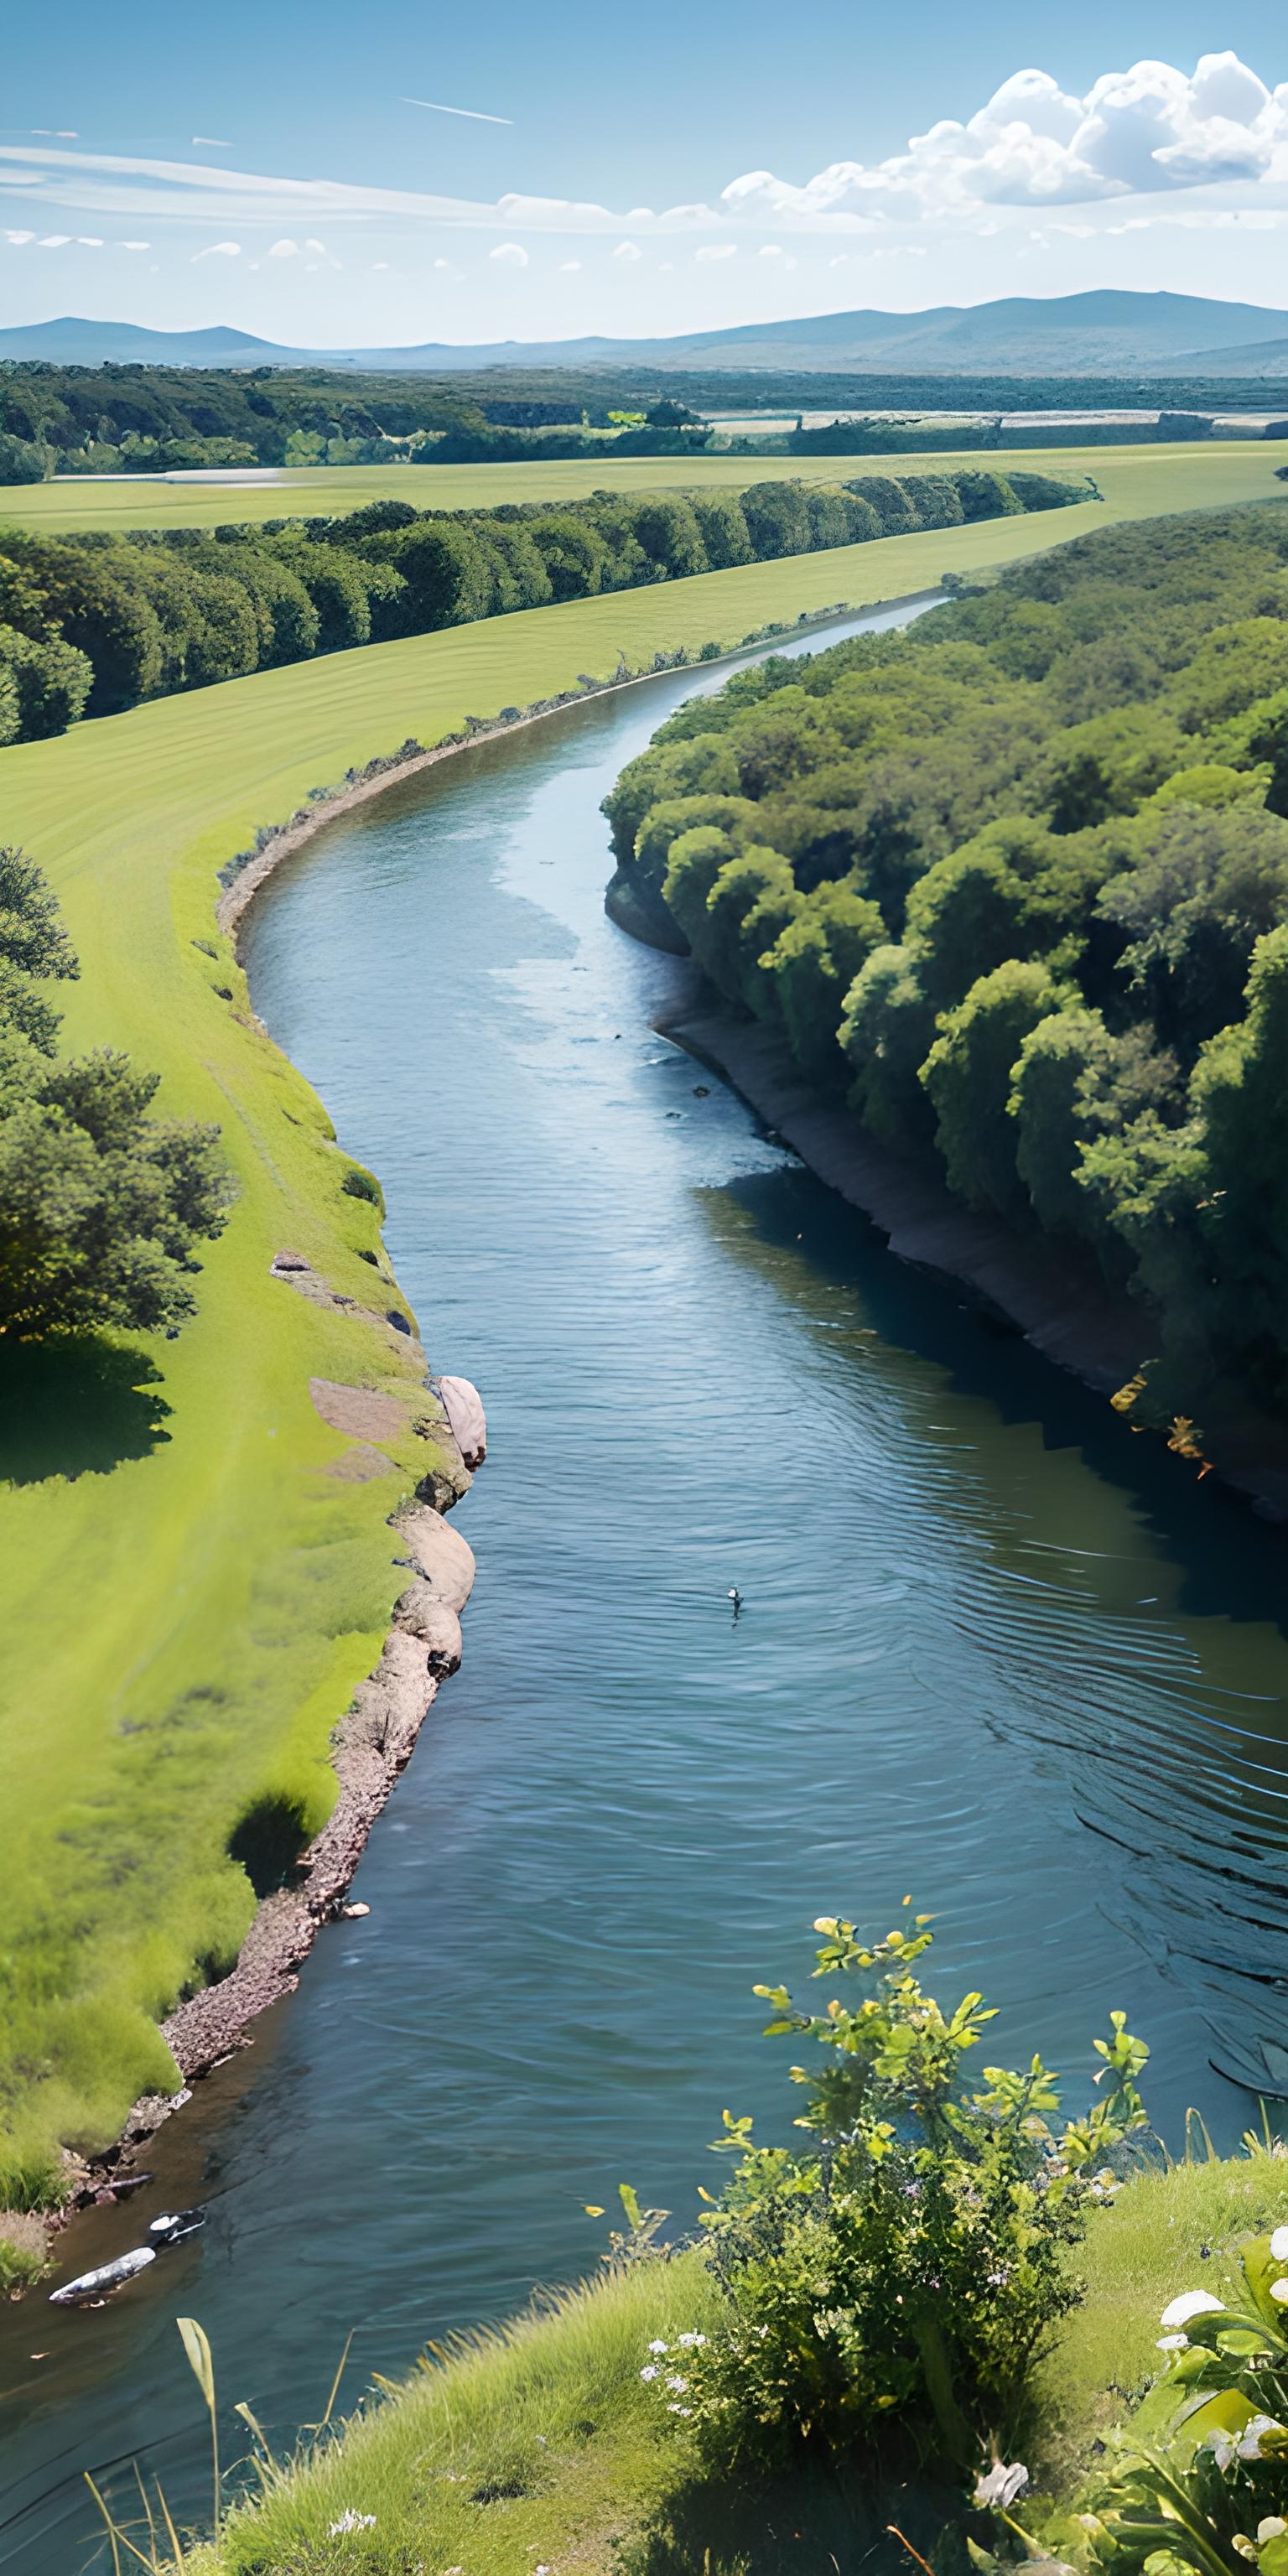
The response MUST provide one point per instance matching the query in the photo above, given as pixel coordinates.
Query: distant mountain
(73, 343)
(1106, 331)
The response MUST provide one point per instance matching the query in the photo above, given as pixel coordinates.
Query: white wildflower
(1191, 2303)
(1250, 2438)
(1002, 2485)
(657, 2347)
(1279, 2293)
(679, 2410)
(351, 2521)
(692, 2342)
(1273, 2527)
(1173, 2343)
(1279, 2245)
(649, 2371)
(679, 2385)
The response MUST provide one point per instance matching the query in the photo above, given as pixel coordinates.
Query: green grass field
(189, 1596)
(1135, 480)
(542, 2447)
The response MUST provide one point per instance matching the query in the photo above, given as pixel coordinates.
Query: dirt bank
(1060, 1305)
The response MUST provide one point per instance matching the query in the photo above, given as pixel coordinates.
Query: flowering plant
(908, 2264)
(1214, 2497)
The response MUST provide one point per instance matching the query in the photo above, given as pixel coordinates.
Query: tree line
(1015, 883)
(93, 623)
(101, 1204)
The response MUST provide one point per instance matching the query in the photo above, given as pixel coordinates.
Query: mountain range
(1105, 331)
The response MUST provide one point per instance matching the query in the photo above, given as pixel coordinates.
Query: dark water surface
(995, 1650)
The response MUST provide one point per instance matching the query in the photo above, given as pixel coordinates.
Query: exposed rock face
(441, 1557)
(463, 1406)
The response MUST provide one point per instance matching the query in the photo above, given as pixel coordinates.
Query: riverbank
(538, 2444)
(1057, 1302)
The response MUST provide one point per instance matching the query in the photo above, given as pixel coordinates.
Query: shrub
(907, 2267)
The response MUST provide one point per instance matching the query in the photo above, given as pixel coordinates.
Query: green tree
(50, 683)
(101, 1207)
(1015, 890)
(694, 860)
(722, 526)
(574, 554)
(1076, 1081)
(672, 815)
(886, 1032)
(666, 526)
(969, 1075)
(935, 500)
(446, 573)
(891, 501)
(720, 940)
(103, 615)
(335, 586)
(986, 495)
(700, 763)
(814, 963)
(1203, 886)
(1240, 1096)
(777, 516)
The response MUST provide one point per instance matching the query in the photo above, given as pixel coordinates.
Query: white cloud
(1149, 132)
(285, 249)
(53, 241)
(18, 239)
(213, 142)
(89, 241)
(219, 250)
(133, 245)
(510, 255)
(378, 264)
(717, 250)
(569, 267)
(56, 133)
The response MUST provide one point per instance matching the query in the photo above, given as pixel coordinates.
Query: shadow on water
(1231, 1562)
(78, 1407)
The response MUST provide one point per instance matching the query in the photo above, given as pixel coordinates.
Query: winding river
(994, 1650)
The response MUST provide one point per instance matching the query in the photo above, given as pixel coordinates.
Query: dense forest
(93, 623)
(142, 419)
(1015, 883)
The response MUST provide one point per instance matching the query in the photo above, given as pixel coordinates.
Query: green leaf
(198, 2351)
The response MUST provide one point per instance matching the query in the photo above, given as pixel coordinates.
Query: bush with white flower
(1213, 2496)
(907, 2267)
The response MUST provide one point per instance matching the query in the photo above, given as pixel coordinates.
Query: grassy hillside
(541, 2446)
(186, 1617)
(1136, 481)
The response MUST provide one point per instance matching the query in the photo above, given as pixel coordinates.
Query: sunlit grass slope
(1135, 481)
(543, 2446)
(187, 1597)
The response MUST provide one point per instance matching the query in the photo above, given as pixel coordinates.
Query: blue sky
(669, 169)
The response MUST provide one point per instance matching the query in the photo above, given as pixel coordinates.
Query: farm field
(194, 1609)
(1136, 481)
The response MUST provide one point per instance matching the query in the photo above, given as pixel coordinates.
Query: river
(995, 1650)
